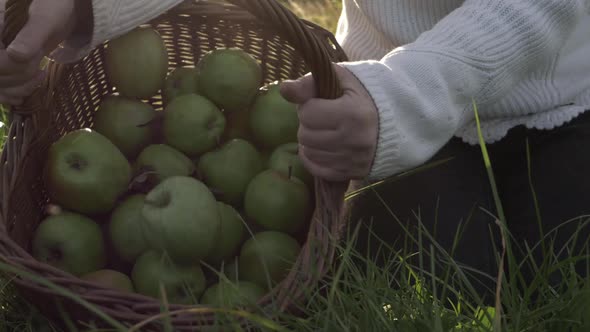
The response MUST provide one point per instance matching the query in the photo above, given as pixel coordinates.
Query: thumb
(30, 41)
(299, 91)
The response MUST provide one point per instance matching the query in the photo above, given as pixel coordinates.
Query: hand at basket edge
(337, 138)
(50, 23)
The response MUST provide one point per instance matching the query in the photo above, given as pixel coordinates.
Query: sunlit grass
(359, 295)
(4, 125)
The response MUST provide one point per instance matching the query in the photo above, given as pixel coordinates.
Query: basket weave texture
(286, 47)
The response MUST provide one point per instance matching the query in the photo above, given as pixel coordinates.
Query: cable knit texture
(524, 62)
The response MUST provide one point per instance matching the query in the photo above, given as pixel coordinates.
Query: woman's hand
(50, 23)
(337, 138)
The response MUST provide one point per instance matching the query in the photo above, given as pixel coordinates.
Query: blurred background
(322, 12)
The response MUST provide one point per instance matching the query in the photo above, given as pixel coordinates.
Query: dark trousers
(456, 196)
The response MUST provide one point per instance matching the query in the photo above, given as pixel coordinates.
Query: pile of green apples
(202, 201)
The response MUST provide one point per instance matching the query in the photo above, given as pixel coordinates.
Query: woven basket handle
(303, 39)
(292, 28)
(15, 17)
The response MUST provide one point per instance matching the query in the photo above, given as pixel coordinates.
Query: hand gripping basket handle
(330, 195)
(15, 17)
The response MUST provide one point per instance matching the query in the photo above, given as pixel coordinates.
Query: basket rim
(24, 129)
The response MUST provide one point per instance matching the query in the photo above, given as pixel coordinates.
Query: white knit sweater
(425, 61)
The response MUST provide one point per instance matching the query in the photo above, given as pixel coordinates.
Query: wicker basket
(287, 48)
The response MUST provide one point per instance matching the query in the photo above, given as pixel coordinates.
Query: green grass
(4, 125)
(359, 295)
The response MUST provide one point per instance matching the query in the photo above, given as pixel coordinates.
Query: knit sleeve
(424, 90)
(112, 18)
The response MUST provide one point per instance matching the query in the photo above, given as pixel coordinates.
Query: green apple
(230, 78)
(231, 235)
(111, 279)
(285, 159)
(126, 123)
(180, 81)
(273, 120)
(163, 161)
(71, 242)
(277, 201)
(229, 294)
(181, 218)
(229, 169)
(192, 124)
(85, 172)
(267, 258)
(136, 63)
(125, 229)
(182, 284)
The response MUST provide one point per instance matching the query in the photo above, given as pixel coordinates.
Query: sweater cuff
(112, 18)
(387, 154)
(422, 99)
(72, 49)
